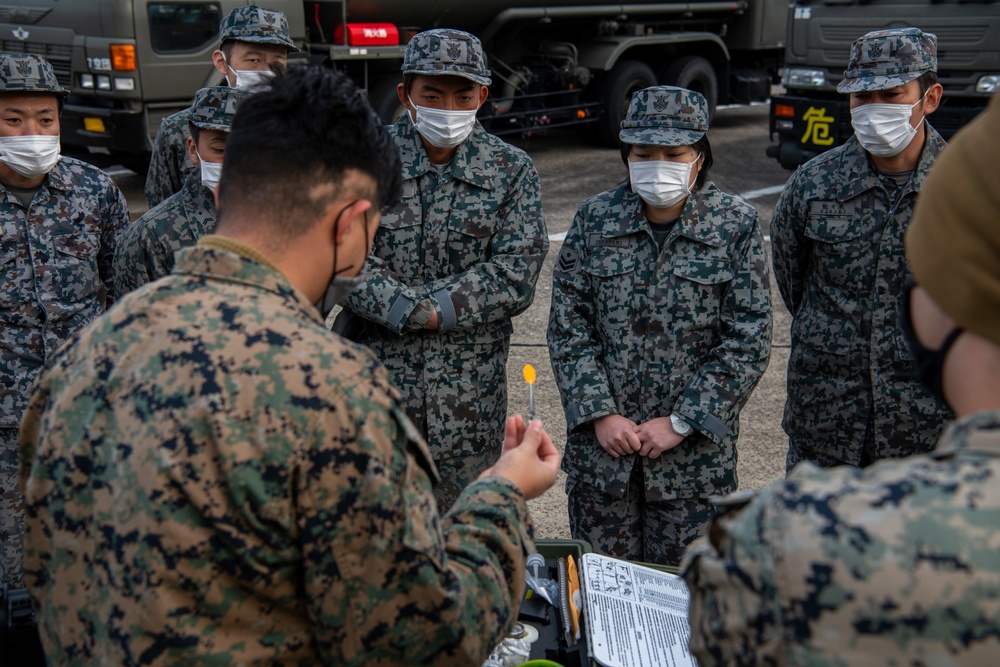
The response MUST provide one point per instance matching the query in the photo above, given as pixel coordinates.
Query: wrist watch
(680, 426)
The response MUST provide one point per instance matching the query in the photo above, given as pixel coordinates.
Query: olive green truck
(129, 63)
(811, 116)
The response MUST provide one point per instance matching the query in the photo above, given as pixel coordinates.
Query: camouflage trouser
(631, 527)
(869, 452)
(457, 473)
(11, 512)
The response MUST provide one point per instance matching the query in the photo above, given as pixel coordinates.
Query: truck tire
(625, 78)
(697, 74)
(384, 100)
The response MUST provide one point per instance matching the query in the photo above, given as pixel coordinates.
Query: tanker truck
(811, 116)
(555, 63)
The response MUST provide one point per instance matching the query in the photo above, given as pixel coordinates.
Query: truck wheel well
(616, 88)
(694, 73)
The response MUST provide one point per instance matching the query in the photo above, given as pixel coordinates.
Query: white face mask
(444, 129)
(884, 130)
(661, 183)
(30, 156)
(211, 172)
(248, 79)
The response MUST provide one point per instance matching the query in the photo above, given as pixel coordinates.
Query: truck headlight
(802, 77)
(988, 84)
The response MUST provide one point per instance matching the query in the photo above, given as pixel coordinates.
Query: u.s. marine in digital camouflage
(836, 237)
(58, 227)
(650, 320)
(897, 563)
(251, 40)
(146, 248)
(275, 513)
(465, 245)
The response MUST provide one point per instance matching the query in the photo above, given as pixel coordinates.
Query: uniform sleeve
(387, 580)
(789, 247)
(721, 386)
(504, 285)
(734, 610)
(133, 261)
(116, 220)
(164, 176)
(574, 347)
(387, 300)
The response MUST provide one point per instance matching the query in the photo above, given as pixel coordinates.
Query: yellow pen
(529, 377)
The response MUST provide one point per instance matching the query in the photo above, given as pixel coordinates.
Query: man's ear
(348, 217)
(219, 60)
(193, 151)
(932, 99)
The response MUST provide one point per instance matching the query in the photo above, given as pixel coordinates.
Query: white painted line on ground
(762, 192)
(119, 171)
(561, 236)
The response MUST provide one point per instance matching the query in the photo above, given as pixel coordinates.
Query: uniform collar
(222, 258)
(59, 177)
(196, 193)
(472, 163)
(859, 176)
(979, 432)
(694, 223)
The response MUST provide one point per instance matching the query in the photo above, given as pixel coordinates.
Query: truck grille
(60, 56)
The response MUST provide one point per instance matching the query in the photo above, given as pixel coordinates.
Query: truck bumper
(114, 129)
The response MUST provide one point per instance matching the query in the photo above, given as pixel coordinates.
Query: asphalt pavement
(571, 171)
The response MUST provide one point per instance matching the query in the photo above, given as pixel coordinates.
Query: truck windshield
(176, 27)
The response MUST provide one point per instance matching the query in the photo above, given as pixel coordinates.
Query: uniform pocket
(75, 264)
(824, 332)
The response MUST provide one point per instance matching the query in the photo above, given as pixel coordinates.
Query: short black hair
(290, 143)
(926, 80)
(193, 131)
(703, 146)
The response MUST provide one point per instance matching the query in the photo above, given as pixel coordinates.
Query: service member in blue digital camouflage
(836, 237)
(217, 479)
(59, 219)
(146, 249)
(897, 563)
(454, 261)
(659, 329)
(254, 43)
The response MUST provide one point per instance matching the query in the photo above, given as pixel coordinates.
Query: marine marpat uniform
(219, 480)
(468, 244)
(169, 164)
(55, 277)
(837, 239)
(898, 563)
(641, 332)
(146, 249)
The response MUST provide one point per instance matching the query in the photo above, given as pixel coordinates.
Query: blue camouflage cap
(888, 58)
(214, 108)
(665, 116)
(446, 51)
(28, 73)
(253, 24)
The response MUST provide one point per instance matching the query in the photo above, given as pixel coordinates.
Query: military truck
(812, 117)
(128, 63)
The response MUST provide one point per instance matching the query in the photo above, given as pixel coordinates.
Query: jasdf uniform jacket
(837, 240)
(644, 332)
(469, 245)
(55, 271)
(169, 163)
(219, 480)
(894, 564)
(146, 248)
